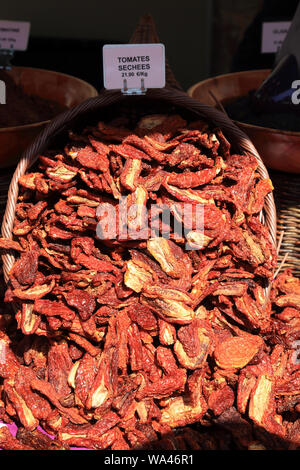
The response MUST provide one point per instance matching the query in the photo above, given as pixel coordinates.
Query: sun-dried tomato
(84, 303)
(124, 339)
(237, 352)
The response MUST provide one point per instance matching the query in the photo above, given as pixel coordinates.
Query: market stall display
(163, 159)
(150, 341)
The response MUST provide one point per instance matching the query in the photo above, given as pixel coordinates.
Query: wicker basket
(287, 197)
(170, 97)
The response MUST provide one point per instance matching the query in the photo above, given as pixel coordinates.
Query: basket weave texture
(287, 197)
(170, 95)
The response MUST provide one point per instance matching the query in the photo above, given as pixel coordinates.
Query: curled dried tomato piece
(30, 321)
(193, 345)
(28, 180)
(61, 173)
(25, 268)
(93, 160)
(84, 303)
(8, 244)
(170, 310)
(9, 442)
(36, 292)
(179, 412)
(130, 173)
(197, 178)
(171, 257)
(24, 413)
(46, 389)
(143, 316)
(237, 352)
(53, 308)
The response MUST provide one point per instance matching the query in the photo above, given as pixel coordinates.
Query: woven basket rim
(175, 97)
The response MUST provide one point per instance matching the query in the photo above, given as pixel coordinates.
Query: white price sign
(134, 66)
(14, 35)
(273, 35)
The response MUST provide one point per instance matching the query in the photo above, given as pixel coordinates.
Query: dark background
(202, 38)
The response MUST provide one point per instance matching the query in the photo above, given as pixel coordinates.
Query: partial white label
(133, 66)
(14, 35)
(2, 92)
(273, 35)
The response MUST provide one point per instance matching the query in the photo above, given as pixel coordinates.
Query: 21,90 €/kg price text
(134, 74)
(156, 459)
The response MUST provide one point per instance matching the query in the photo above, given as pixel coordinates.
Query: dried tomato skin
(83, 302)
(93, 160)
(9, 442)
(221, 400)
(142, 316)
(237, 352)
(25, 269)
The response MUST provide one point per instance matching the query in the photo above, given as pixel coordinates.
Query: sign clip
(133, 91)
(6, 56)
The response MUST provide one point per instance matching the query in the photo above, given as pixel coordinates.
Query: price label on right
(273, 35)
(14, 35)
